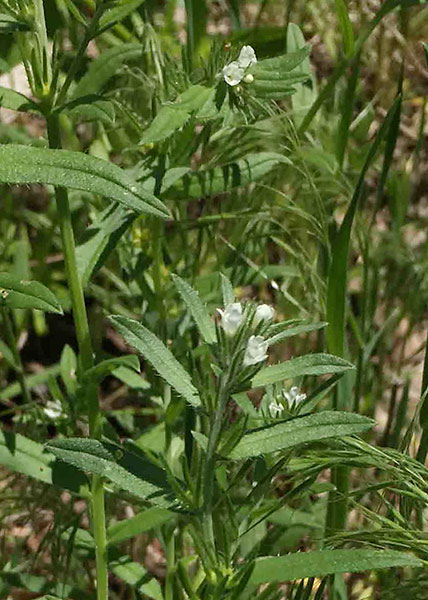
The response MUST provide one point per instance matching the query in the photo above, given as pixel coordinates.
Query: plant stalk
(86, 360)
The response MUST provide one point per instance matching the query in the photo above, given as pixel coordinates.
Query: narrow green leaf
(223, 179)
(310, 364)
(135, 575)
(22, 455)
(196, 24)
(128, 471)
(197, 309)
(68, 366)
(279, 67)
(17, 293)
(90, 108)
(107, 367)
(16, 101)
(300, 430)
(299, 329)
(120, 10)
(326, 562)
(25, 164)
(228, 292)
(348, 38)
(101, 238)
(143, 521)
(347, 111)
(162, 360)
(105, 67)
(168, 120)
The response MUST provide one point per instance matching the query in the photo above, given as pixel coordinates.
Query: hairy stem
(87, 361)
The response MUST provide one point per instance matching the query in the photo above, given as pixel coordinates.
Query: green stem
(209, 475)
(11, 341)
(86, 360)
(423, 446)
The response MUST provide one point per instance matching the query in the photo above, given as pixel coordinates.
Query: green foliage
(158, 355)
(326, 562)
(22, 164)
(302, 430)
(19, 293)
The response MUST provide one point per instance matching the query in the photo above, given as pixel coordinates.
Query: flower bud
(231, 318)
(256, 350)
(248, 78)
(264, 312)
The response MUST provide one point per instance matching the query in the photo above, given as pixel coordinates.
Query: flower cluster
(235, 72)
(289, 400)
(231, 319)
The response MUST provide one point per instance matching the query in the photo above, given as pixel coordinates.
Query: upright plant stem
(87, 361)
(209, 475)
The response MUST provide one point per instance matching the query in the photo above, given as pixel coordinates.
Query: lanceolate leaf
(279, 66)
(162, 360)
(168, 120)
(91, 108)
(299, 329)
(126, 470)
(17, 293)
(22, 455)
(101, 238)
(325, 562)
(106, 367)
(16, 101)
(120, 11)
(310, 364)
(348, 39)
(222, 179)
(105, 67)
(301, 430)
(25, 164)
(143, 521)
(197, 309)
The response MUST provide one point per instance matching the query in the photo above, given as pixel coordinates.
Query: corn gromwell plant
(213, 300)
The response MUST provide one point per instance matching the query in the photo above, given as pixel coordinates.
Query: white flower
(275, 409)
(233, 73)
(247, 57)
(53, 409)
(255, 351)
(264, 312)
(293, 396)
(231, 318)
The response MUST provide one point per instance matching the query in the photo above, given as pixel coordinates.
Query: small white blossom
(233, 73)
(247, 57)
(264, 312)
(231, 317)
(275, 409)
(53, 409)
(256, 350)
(293, 396)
